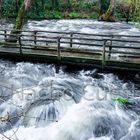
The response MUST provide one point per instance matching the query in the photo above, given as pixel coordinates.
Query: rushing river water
(83, 26)
(38, 102)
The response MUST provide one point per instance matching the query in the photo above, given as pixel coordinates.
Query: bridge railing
(108, 46)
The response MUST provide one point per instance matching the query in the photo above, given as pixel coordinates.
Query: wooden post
(58, 48)
(110, 47)
(20, 44)
(71, 39)
(103, 54)
(5, 35)
(35, 38)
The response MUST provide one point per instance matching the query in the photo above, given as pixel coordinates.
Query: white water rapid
(39, 104)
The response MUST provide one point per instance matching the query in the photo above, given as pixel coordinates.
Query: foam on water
(65, 106)
(84, 26)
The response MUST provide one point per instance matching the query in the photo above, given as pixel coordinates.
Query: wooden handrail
(62, 38)
(75, 33)
(123, 47)
(71, 38)
(122, 52)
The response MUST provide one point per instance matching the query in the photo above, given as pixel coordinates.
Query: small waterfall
(43, 104)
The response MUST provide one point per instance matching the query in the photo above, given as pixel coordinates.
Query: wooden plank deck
(119, 52)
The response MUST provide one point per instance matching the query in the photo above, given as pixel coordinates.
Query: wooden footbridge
(104, 51)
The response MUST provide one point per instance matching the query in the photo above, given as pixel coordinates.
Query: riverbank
(49, 15)
(58, 15)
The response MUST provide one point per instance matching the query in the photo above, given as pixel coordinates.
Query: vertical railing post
(103, 54)
(71, 39)
(35, 38)
(20, 44)
(5, 34)
(110, 47)
(58, 48)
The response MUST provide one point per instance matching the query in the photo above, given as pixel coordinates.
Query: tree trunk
(21, 14)
(19, 21)
(55, 5)
(103, 5)
(36, 7)
(69, 4)
(107, 11)
(0, 8)
(43, 4)
(134, 8)
(17, 5)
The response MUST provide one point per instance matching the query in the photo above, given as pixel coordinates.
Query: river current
(39, 102)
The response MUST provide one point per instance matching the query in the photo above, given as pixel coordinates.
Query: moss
(109, 11)
(20, 17)
(121, 100)
(109, 14)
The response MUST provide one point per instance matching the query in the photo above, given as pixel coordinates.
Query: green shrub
(54, 15)
(93, 15)
(73, 15)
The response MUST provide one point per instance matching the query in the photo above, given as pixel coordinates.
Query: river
(40, 102)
